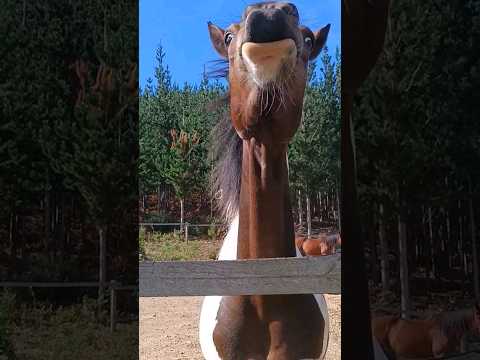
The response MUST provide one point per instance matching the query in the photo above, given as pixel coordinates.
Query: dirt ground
(169, 328)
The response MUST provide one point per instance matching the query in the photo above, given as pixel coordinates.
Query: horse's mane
(454, 323)
(226, 152)
(218, 69)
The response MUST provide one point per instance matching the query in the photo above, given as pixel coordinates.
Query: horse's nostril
(266, 25)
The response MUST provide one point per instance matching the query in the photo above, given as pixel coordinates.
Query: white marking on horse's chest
(378, 351)
(211, 304)
(208, 315)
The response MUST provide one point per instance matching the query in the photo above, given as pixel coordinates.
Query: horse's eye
(228, 38)
(308, 41)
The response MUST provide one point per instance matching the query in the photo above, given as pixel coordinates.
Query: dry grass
(172, 246)
(73, 332)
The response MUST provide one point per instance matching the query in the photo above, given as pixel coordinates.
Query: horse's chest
(411, 339)
(269, 327)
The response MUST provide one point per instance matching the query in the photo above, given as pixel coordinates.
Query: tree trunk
(442, 237)
(332, 205)
(461, 243)
(46, 222)
(338, 211)
(24, 12)
(373, 246)
(447, 223)
(61, 223)
(309, 217)
(211, 210)
(13, 239)
(102, 261)
(159, 201)
(300, 211)
(384, 265)
(61, 229)
(105, 37)
(473, 235)
(403, 254)
(181, 214)
(432, 245)
(320, 210)
(324, 207)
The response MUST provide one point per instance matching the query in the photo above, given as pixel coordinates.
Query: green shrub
(212, 232)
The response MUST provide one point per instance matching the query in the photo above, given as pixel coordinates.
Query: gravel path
(169, 328)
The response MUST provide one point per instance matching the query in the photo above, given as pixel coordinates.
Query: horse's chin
(268, 63)
(267, 78)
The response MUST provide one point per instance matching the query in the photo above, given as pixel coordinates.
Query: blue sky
(181, 28)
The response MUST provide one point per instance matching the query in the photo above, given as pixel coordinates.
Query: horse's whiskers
(272, 101)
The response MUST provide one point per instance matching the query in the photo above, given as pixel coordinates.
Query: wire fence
(184, 227)
(114, 287)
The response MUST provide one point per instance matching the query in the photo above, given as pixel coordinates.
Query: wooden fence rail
(308, 275)
(26, 284)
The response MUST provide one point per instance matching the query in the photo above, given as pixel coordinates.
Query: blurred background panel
(68, 179)
(418, 167)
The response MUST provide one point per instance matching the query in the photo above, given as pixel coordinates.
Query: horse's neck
(265, 218)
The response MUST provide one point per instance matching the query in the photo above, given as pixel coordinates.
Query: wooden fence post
(186, 232)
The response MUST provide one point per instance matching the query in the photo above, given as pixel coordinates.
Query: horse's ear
(217, 37)
(320, 40)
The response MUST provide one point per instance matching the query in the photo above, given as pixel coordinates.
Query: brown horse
(321, 246)
(435, 337)
(267, 53)
(363, 32)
